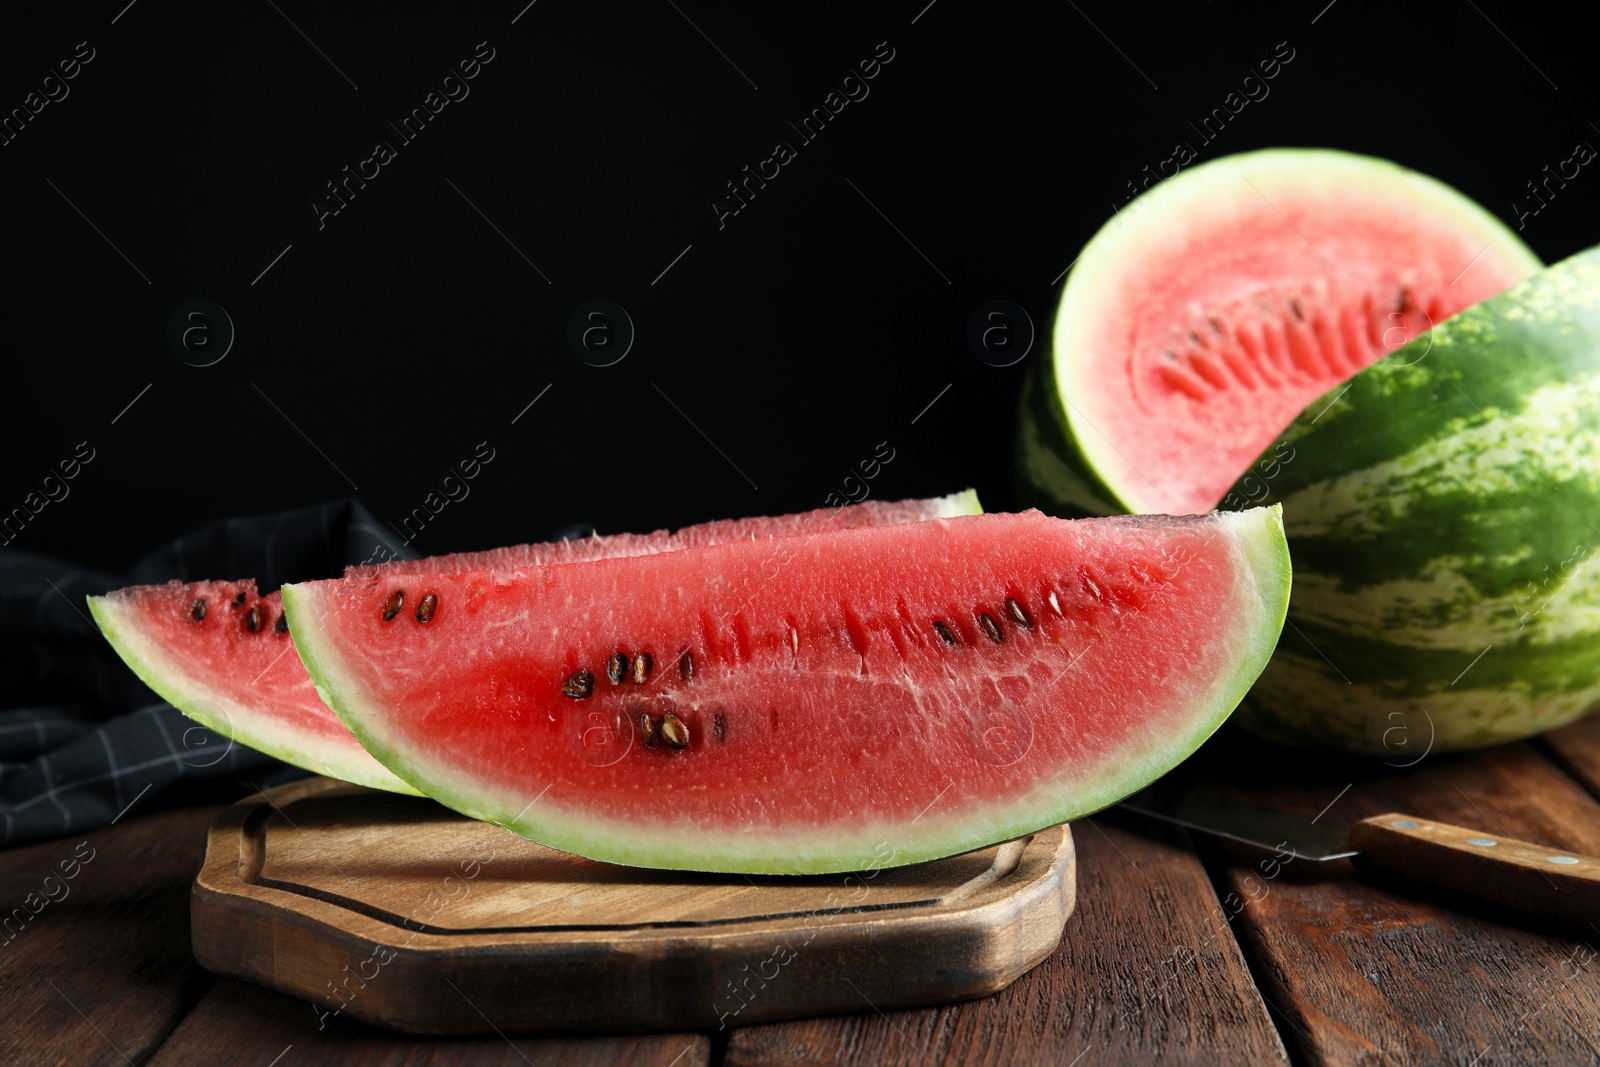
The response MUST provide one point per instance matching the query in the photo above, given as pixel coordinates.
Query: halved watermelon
(1206, 317)
(220, 653)
(854, 699)
(1222, 346)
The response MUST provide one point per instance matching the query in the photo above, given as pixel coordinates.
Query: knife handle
(1520, 875)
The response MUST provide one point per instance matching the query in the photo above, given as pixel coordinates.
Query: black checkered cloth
(82, 740)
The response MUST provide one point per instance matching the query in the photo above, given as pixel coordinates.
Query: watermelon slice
(220, 652)
(854, 699)
(1223, 302)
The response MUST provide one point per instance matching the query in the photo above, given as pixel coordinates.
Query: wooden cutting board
(399, 912)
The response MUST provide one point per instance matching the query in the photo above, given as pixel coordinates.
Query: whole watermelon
(1442, 510)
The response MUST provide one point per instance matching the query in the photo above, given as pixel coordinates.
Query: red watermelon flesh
(1195, 328)
(854, 699)
(233, 670)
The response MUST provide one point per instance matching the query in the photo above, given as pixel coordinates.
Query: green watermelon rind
(1063, 461)
(1439, 505)
(677, 844)
(169, 681)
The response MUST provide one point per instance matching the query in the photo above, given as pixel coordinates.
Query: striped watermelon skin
(1443, 513)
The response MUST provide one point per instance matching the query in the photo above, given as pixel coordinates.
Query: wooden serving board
(399, 912)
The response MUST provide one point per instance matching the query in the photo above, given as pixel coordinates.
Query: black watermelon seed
(579, 684)
(987, 624)
(426, 607)
(617, 667)
(252, 619)
(719, 723)
(282, 625)
(647, 729)
(673, 731)
(239, 600)
(1018, 613)
(391, 607)
(197, 609)
(944, 632)
(641, 666)
(686, 666)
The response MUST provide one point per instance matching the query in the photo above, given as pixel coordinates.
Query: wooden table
(1178, 952)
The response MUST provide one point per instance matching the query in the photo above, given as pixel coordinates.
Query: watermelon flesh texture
(1215, 309)
(247, 684)
(615, 546)
(856, 699)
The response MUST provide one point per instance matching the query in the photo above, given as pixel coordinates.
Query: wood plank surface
(1576, 747)
(1147, 972)
(101, 969)
(242, 1024)
(1365, 969)
(1359, 969)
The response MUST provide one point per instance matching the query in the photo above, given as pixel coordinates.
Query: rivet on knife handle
(1534, 879)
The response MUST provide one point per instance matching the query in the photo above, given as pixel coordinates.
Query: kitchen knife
(1531, 878)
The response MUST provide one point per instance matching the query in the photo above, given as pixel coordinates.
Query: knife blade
(1522, 875)
(1214, 812)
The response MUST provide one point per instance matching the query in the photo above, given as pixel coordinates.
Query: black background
(379, 351)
